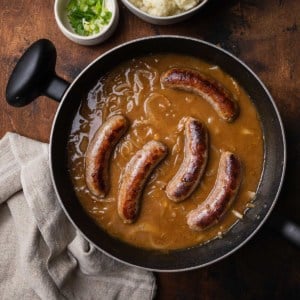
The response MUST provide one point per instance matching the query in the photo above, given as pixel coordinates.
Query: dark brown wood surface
(263, 33)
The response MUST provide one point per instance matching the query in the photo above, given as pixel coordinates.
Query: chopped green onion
(88, 17)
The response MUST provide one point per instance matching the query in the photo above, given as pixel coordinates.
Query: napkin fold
(41, 254)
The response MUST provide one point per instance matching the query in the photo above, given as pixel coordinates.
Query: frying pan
(35, 74)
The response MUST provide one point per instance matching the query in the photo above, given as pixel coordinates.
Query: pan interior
(273, 169)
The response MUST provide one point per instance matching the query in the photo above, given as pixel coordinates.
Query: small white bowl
(163, 20)
(60, 12)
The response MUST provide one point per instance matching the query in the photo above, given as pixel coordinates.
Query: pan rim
(262, 221)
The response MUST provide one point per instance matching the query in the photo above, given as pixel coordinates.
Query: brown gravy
(155, 113)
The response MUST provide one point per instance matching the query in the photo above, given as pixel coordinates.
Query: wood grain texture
(263, 33)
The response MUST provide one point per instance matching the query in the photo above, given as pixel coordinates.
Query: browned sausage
(204, 86)
(192, 168)
(134, 177)
(222, 195)
(98, 154)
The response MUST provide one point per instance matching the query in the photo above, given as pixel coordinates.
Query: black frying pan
(35, 75)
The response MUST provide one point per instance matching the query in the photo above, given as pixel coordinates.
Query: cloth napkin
(41, 254)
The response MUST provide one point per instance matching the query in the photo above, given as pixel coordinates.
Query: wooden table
(263, 33)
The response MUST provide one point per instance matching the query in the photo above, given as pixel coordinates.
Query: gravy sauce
(156, 113)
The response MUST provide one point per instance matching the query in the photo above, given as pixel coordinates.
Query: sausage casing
(208, 88)
(98, 154)
(222, 195)
(194, 163)
(135, 176)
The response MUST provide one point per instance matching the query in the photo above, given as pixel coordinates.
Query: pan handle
(288, 229)
(34, 75)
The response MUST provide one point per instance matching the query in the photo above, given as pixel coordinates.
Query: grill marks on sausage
(98, 154)
(135, 176)
(204, 86)
(222, 195)
(194, 163)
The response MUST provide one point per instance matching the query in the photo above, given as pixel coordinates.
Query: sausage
(98, 154)
(208, 88)
(194, 163)
(222, 195)
(134, 178)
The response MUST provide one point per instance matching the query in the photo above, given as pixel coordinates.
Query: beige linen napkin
(41, 255)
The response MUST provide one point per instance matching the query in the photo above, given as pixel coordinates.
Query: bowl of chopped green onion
(87, 22)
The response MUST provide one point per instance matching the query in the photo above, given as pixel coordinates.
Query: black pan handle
(288, 229)
(34, 75)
